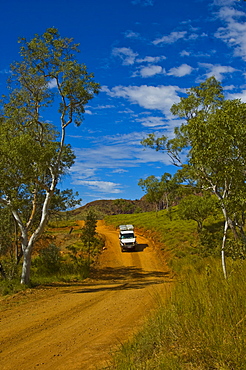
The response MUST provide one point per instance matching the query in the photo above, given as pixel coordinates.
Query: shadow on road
(113, 278)
(123, 278)
(140, 247)
(125, 273)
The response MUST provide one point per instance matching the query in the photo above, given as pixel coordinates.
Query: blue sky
(144, 54)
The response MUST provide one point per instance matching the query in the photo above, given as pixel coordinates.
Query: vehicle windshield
(127, 236)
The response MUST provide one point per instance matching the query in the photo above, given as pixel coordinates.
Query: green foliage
(83, 252)
(10, 267)
(49, 260)
(89, 229)
(123, 206)
(197, 208)
(160, 192)
(64, 200)
(151, 186)
(236, 249)
(88, 234)
(9, 287)
(7, 231)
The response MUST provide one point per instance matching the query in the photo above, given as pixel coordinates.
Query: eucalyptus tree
(34, 154)
(152, 187)
(197, 208)
(169, 185)
(212, 138)
(160, 191)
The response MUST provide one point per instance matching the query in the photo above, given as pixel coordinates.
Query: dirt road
(76, 326)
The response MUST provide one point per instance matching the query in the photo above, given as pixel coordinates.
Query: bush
(49, 260)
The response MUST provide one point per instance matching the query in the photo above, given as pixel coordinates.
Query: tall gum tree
(212, 139)
(33, 152)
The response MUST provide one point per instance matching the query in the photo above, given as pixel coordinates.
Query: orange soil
(78, 325)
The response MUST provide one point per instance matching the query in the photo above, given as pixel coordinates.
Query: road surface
(77, 326)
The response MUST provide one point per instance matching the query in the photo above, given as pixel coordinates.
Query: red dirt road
(77, 326)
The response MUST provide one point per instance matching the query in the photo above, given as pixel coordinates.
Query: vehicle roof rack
(126, 227)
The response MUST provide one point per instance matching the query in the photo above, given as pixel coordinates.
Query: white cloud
(87, 111)
(106, 106)
(113, 152)
(185, 53)
(148, 97)
(126, 111)
(149, 59)
(241, 96)
(229, 87)
(5, 71)
(101, 186)
(217, 70)
(171, 38)
(116, 155)
(224, 2)
(233, 33)
(152, 121)
(127, 55)
(52, 83)
(180, 71)
(119, 170)
(87, 172)
(150, 71)
(193, 36)
(132, 35)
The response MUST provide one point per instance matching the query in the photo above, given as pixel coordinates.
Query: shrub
(49, 260)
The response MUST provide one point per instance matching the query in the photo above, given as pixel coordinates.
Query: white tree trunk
(228, 223)
(26, 266)
(28, 242)
(223, 249)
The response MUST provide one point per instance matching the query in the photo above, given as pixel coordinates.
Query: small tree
(169, 185)
(88, 235)
(197, 208)
(160, 191)
(154, 193)
(49, 261)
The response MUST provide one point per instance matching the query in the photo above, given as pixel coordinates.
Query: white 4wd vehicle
(127, 238)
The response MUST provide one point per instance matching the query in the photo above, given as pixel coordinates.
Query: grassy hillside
(203, 324)
(177, 238)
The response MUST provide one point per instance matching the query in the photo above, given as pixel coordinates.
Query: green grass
(202, 325)
(9, 287)
(53, 224)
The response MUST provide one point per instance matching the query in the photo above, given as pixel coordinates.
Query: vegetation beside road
(203, 324)
(64, 253)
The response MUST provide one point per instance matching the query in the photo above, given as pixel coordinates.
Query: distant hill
(115, 207)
